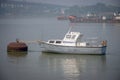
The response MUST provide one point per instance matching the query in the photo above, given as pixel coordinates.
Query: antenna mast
(70, 28)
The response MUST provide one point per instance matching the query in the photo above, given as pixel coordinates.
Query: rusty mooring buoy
(17, 46)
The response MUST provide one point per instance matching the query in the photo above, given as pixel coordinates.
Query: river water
(34, 65)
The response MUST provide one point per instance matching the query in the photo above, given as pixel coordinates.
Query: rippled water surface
(34, 65)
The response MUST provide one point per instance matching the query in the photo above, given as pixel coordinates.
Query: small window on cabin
(73, 37)
(51, 41)
(68, 36)
(58, 42)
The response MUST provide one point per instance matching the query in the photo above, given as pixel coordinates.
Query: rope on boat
(35, 41)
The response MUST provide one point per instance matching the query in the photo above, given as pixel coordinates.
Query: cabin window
(73, 37)
(58, 42)
(68, 36)
(51, 41)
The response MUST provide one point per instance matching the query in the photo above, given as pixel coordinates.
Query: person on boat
(104, 45)
(17, 40)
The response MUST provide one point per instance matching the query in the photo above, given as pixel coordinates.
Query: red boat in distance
(62, 18)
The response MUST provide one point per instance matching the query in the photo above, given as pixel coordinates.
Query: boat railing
(93, 41)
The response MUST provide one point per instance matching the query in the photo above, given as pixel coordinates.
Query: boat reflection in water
(16, 57)
(17, 54)
(71, 67)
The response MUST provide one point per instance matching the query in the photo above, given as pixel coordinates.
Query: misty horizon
(74, 2)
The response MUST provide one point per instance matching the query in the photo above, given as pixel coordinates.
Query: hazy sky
(78, 2)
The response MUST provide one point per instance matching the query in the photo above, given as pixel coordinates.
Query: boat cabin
(71, 38)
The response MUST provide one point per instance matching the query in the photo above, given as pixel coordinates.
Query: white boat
(72, 44)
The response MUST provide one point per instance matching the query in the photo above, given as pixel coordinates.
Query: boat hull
(50, 48)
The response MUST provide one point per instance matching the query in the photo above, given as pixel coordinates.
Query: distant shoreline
(27, 16)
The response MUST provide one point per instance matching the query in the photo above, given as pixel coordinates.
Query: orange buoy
(17, 46)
